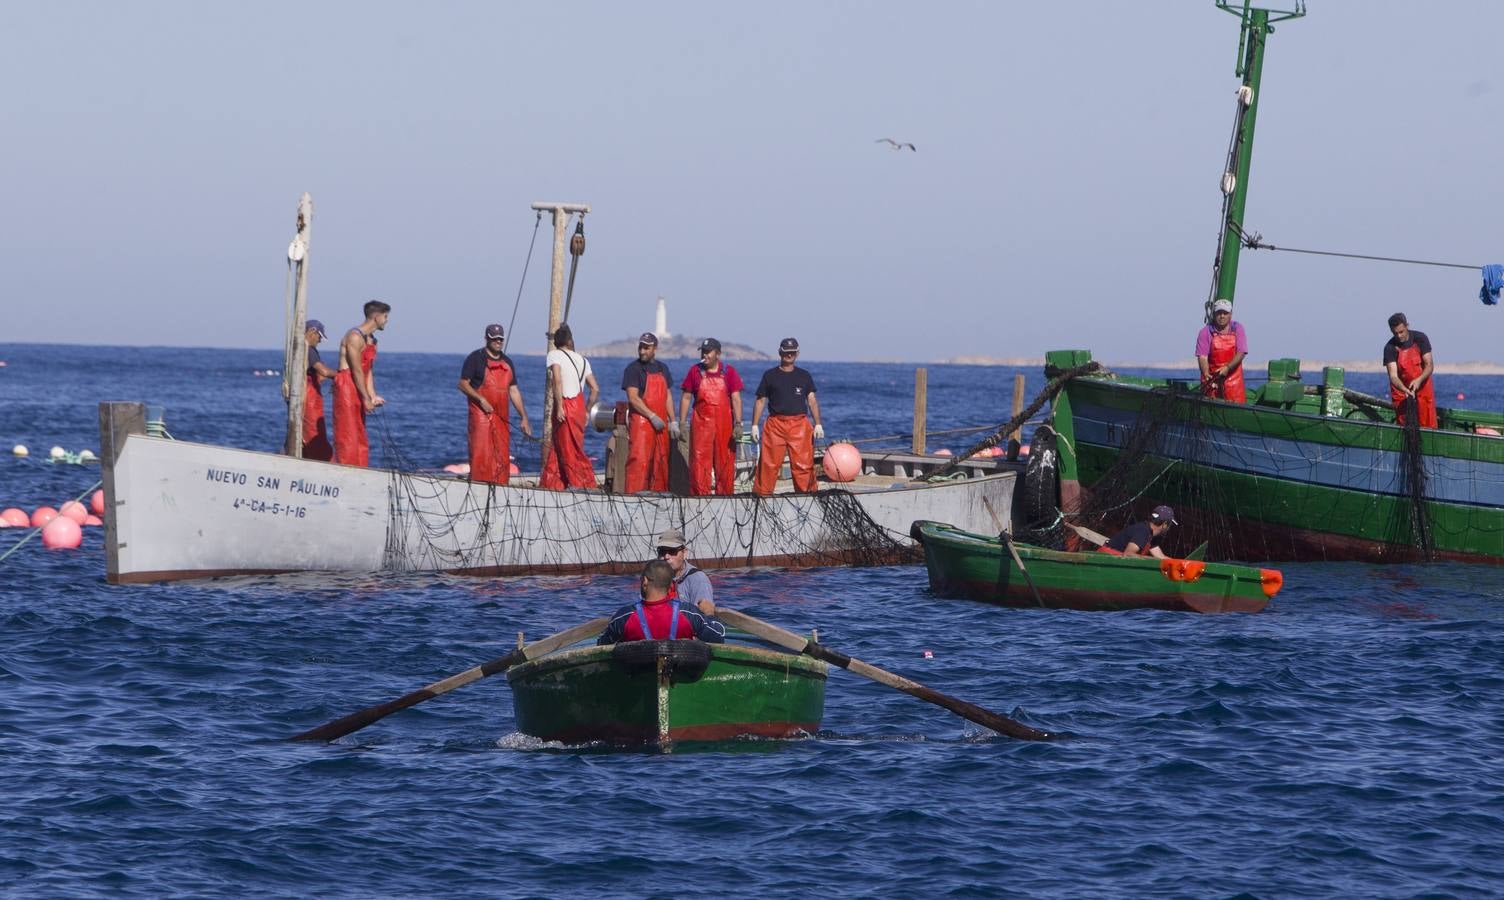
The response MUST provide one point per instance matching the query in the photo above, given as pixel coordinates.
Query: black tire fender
(686, 659)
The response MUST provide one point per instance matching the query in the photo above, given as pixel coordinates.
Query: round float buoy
(1485, 430)
(458, 468)
(62, 533)
(15, 518)
(96, 503)
(86, 455)
(1023, 449)
(74, 510)
(514, 470)
(1461, 396)
(42, 516)
(93, 520)
(20, 450)
(843, 462)
(943, 452)
(57, 453)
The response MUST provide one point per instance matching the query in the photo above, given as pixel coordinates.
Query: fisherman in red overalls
(315, 434)
(355, 386)
(564, 463)
(1220, 348)
(489, 380)
(789, 392)
(646, 382)
(1407, 358)
(717, 392)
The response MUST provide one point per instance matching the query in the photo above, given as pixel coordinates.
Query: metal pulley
(577, 243)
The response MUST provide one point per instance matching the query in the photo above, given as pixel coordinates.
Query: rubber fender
(1186, 570)
(1271, 580)
(687, 659)
(1041, 481)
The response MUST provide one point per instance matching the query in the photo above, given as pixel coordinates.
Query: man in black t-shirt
(789, 393)
(1407, 359)
(649, 424)
(1142, 538)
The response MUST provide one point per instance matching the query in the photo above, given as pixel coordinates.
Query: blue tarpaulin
(1493, 281)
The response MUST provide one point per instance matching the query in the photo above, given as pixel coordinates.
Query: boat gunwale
(734, 654)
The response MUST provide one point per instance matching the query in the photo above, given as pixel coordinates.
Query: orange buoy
(458, 468)
(74, 510)
(62, 533)
(93, 520)
(15, 518)
(1461, 396)
(96, 503)
(1023, 449)
(843, 462)
(42, 516)
(943, 452)
(514, 470)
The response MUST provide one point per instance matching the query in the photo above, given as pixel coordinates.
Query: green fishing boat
(979, 567)
(1300, 470)
(656, 693)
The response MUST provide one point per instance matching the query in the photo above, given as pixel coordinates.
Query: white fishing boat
(180, 509)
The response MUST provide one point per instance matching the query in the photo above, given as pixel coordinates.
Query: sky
(1064, 193)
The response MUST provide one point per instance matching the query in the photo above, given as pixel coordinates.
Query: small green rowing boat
(660, 692)
(978, 567)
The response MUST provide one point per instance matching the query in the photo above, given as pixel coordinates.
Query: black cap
(494, 331)
(788, 345)
(708, 345)
(648, 339)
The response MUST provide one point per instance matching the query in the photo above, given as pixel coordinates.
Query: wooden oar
(1007, 541)
(800, 644)
(1087, 533)
(358, 720)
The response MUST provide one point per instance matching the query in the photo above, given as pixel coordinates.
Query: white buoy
(57, 453)
(86, 455)
(20, 450)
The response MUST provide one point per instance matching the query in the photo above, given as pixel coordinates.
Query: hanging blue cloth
(1493, 281)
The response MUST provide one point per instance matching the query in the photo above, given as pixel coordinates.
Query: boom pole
(1256, 28)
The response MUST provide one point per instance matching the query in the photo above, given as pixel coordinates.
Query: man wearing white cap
(1220, 348)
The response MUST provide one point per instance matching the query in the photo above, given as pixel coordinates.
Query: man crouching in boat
(659, 617)
(1142, 538)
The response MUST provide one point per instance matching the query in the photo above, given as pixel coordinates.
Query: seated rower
(661, 617)
(1142, 538)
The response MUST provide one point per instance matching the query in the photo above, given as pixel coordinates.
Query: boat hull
(979, 567)
(1288, 482)
(662, 692)
(187, 510)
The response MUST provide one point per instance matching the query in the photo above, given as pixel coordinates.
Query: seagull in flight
(895, 144)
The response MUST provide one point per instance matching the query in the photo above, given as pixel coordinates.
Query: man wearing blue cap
(1142, 538)
(315, 433)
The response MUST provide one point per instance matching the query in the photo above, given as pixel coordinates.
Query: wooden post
(921, 393)
(561, 213)
(295, 365)
(117, 421)
(1018, 404)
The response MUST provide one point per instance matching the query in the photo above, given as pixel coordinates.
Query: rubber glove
(819, 432)
(673, 428)
(657, 422)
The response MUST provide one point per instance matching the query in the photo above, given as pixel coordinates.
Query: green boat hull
(978, 567)
(662, 692)
(1296, 474)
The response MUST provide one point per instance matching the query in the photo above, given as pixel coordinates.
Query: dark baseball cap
(648, 338)
(708, 345)
(1163, 514)
(495, 331)
(788, 345)
(316, 325)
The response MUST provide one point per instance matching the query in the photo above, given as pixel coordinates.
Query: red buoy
(96, 503)
(14, 518)
(62, 533)
(843, 462)
(74, 510)
(42, 516)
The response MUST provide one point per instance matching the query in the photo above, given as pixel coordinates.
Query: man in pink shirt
(1220, 348)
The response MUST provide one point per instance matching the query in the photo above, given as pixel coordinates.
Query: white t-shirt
(572, 370)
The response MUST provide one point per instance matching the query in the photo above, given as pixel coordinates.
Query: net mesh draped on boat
(452, 525)
(1180, 449)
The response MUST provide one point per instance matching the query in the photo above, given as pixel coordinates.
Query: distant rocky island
(676, 347)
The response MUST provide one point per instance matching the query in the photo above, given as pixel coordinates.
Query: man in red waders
(717, 392)
(564, 462)
(315, 434)
(789, 393)
(489, 380)
(650, 423)
(355, 386)
(1407, 358)
(1220, 348)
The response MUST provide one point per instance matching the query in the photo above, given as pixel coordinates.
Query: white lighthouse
(660, 322)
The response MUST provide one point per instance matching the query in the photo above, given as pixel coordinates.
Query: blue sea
(1348, 741)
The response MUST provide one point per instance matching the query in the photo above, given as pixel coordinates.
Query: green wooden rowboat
(656, 693)
(978, 567)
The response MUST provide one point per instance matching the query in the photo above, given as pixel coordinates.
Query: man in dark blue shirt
(1142, 538)
(789, 393)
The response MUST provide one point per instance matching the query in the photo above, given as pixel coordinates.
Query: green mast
(1257, 26)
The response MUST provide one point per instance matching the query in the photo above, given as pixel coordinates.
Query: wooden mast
(561, 212)
(295, 365)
